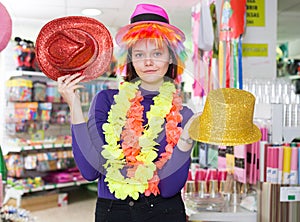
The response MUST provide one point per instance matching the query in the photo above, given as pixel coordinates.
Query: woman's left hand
(189, 122)
(185, 134)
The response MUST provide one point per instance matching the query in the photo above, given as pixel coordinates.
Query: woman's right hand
(68, 88)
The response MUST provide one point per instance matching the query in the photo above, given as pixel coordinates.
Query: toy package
(19, 90)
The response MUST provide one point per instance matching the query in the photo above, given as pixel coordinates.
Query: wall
(7, 68)
(263, 67)
(294, 49)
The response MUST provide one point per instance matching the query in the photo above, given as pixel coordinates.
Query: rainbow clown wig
(160, 34)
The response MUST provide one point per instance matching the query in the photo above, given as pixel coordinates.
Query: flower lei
(136, 153)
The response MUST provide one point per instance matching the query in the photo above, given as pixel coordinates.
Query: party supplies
(45, 111)
(190, 186)
(26, 111)
(257, 146)
(280, 164)
(294, 166)
(19, 89)
(262, 145)
(230, 159)
(212, 156)
(269, 163)
(255, 164)
(240, 163)
(201, 184)
(39, 91)
(287, 152)
(222, 176)
(52, 94)
(203, 153)
(222, 157)
(264, 133)
(274, 162)
(212, 178)
(251, 163)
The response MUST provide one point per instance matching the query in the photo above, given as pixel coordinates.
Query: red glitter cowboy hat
(5, 27)
(147, 13)
(73, 44)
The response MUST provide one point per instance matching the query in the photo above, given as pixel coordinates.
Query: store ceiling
(288, 18)
(116, 13)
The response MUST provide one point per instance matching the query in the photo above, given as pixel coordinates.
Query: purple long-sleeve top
(88, 139)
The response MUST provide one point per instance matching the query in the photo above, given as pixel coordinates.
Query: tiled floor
(81, 208)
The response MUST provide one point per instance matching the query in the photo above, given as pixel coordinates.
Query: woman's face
(150, 62)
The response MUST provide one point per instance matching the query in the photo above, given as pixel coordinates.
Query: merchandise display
(25, 55)
(19, 89)
(244, 164)
(35, 109)
(13, 214)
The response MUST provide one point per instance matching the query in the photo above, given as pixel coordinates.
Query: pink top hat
(147, 13)
(5, 27)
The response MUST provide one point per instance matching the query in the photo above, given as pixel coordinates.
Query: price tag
(289, 194)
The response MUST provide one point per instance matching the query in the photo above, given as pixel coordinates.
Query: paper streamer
(235, 64)
(240, 66)
(221, 63)
(228, 64)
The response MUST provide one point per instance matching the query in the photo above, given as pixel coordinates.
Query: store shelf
(263, 111)
(103, 78)
(14, 149)
(41, 74)
(26, 73)
(232, 214)
(290, 133)
(275, 114)
(293, 77)
(56, 186)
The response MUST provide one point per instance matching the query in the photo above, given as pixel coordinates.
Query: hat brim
(204, 134)
(122, 31)
(5, 27)
(82, 45)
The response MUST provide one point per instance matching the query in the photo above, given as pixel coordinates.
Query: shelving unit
(56, 186)
(50, 144)
(274, 113)
(16, 149)
(282, 199)
(232, 214)
(19, 73)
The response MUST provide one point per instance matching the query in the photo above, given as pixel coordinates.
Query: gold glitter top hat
(227, 119)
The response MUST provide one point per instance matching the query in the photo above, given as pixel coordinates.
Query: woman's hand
(183, 143)
(68, 88)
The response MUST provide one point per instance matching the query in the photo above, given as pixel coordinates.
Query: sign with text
(255, 50)
(255, 13)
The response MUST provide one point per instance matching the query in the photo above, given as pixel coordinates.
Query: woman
(136, 140)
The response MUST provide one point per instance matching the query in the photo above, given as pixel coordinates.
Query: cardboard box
(35, 202)
(63, 199)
